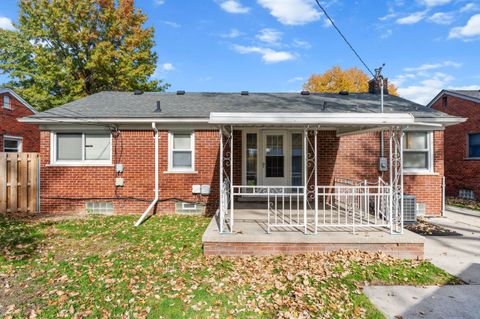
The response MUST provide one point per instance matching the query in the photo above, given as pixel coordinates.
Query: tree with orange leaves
(335, 80)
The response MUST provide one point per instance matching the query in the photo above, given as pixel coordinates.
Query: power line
(344, 38)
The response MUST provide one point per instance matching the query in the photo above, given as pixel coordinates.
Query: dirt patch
(424, 228)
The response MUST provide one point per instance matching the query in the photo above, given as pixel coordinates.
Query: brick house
(306, 160)
(462, 142)
(16, 136)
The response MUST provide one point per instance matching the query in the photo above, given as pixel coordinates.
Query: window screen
(416, 150)
(97, 146)
(182, 151)
(11, 145)
(6, 102)
(69, 146)
(474, 145)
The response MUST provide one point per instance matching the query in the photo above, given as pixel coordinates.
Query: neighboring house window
(6, 102)
(181, 151)
(474, 145)
(417, 151)
(12, 144)
(82, 148)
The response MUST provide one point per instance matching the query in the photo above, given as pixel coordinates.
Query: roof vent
(305, 93)
(181, 92)
(158, 109)
(244, 93)
(138, 92)
(343, 92)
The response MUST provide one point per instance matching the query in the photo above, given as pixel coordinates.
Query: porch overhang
(320, 119)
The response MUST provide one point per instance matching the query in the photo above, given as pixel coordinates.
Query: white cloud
(432, 66)
(471, 29)
(442, 18)
(6, 23)
(268, 55)
(159, 2)
(386, 34)
(270, 36)
(232, 34)
(292, 12)
(412, 18)
(301, 44)
(172, 24)
(424, 91)
(233, 6)
(296, 79)
(466, 87)
(167, 67)
(470, 7)
(434, 3)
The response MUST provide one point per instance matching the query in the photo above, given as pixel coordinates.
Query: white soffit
(312, 118)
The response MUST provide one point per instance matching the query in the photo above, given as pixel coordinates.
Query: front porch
(251, 237)
(285, 200)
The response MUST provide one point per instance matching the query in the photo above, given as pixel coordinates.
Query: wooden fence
(19, 182)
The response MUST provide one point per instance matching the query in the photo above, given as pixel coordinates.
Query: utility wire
(344, 38)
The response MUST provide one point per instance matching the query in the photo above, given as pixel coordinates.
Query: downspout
(155, 200)
(382, 142)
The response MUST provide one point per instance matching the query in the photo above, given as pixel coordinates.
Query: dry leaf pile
(425, 228)
(104, 268)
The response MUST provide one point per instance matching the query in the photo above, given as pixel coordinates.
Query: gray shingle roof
(199, 105)
(471, 93)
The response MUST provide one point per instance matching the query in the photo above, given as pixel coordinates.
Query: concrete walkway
(458, 255)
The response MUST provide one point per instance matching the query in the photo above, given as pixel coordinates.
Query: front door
(275, 159)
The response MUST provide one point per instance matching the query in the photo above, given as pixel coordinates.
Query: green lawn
(104, 267)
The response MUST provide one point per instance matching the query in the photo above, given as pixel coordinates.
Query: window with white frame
(474, 145)
(181, 151)
(6, 102)
(12, 144)
(82, 148)
(417, 151)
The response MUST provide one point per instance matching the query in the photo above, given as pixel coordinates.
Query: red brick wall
(98, 182)
(353, 157)
(459, 171)
(10, 126)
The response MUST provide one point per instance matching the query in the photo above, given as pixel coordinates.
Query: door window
(274, 156)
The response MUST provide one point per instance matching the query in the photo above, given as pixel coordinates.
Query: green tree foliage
(66, 49)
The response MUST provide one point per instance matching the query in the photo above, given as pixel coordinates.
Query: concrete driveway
(458, 255)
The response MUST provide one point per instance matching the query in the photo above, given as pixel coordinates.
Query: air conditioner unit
(409, 209)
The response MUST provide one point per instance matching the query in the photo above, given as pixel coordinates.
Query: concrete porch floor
(250, 237)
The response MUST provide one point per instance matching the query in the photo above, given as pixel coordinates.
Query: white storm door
(275, 159)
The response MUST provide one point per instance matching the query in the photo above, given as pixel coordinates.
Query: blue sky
(275, 45)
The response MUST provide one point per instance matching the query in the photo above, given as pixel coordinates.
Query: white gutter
(47, 120)
(155, 200)
(312, 118)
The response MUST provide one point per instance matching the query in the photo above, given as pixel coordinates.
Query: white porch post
(231, 180)
(316, 180)
(396, 180)
(305, 177)
(390, 166)
(221, 202)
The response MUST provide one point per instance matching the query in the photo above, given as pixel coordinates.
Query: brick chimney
(374, 86)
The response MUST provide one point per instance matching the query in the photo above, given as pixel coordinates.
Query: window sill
(471, 159)
(426, 173)
(180, 172)
(80, 165)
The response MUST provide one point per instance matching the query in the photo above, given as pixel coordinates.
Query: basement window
(99, 208)
(81, 148)
(466, 194)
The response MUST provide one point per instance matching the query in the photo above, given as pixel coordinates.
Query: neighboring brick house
(98, 153)
(14, 135)
(462, 142)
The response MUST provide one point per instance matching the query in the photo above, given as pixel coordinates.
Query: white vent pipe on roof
(155, 200)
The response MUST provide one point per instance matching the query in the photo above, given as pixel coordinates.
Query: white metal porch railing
(354, 204)
(346, 204)
(285, 204)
